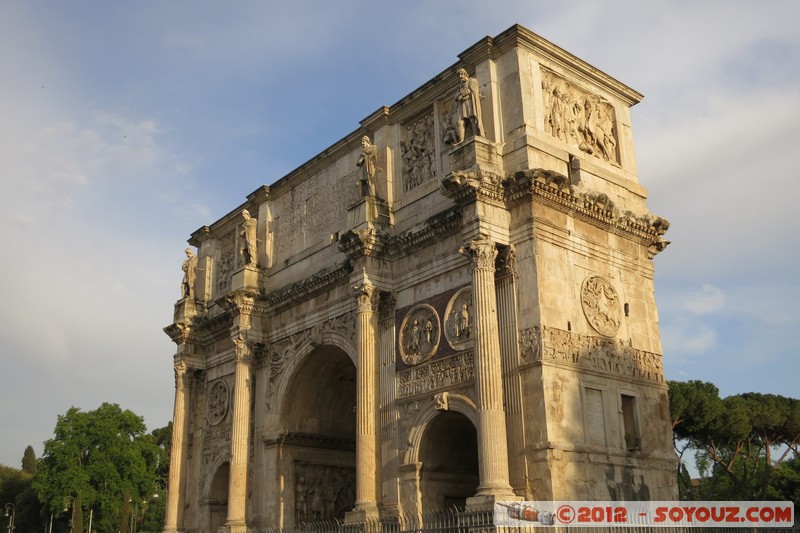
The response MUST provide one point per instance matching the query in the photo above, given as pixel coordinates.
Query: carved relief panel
(420, 333)
(579, 117)
(217, 402)
(323, 492)
(418, 152)
(459, 320)
(601, 305)
(226, 263)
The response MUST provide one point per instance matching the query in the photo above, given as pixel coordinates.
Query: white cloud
(708, 300)
(683, 338)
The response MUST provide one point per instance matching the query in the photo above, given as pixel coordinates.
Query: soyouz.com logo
(660, 513)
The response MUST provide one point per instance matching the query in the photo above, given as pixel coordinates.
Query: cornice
(433, 229)
(308, 288)
(466, 187)
(555, 190)
(356, 244)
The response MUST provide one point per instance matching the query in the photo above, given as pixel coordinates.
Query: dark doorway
(449, 456)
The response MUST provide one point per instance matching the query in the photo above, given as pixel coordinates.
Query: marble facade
(452, 305)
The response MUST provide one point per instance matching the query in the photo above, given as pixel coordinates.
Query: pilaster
(505, 284)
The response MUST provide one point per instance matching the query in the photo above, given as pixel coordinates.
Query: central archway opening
(319, 416)
(449, 456)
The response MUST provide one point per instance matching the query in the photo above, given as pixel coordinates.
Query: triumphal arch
(452, 305)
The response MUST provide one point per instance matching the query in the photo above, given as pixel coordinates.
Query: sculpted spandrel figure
(189, 268)
(468, 102)
(248, 234)
(367, 161)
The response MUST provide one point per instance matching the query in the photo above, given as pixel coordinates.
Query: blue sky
(125, 126)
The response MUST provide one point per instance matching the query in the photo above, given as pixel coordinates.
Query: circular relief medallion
(217, 403)
(419, 335)
(460, 320)
(601, 305)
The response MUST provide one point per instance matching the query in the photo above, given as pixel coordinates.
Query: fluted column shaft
(366, 399)
(492, 443)
(240, 436)
(173, 520)
(509, 348)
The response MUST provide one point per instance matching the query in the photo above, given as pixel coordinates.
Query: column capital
(243, 349)
(481, 253)
(241, 300)
(506, 261)
(366, 297)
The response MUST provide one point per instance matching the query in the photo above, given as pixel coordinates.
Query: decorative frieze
(455, 370)
(578, 117)
(601, 354)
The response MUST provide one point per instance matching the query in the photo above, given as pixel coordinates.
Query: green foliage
(102, 459)
(739, 441)
(15, 488)
(29, 461)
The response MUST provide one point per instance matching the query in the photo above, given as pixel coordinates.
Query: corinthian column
(492, 444)
(173, 520)
(509, 347)
(366, 400)
(240, 438)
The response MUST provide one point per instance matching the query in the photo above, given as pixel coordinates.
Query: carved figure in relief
(601, 305)
(441, 401)
(248, 235)
(419, 335)
(367, 162)
(189, 268)
(463, 329)
(450, 135)
(468, 103)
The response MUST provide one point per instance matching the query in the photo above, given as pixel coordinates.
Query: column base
(365, 513)
(235, 527)
(486, 500)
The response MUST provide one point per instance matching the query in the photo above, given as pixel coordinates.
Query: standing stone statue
(189, 268)
(248, 234)
(368, 164)
(468, 102)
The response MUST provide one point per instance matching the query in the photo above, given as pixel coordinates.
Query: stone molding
(545, 344)
(303, 290)
(470, 186)
(555, 190)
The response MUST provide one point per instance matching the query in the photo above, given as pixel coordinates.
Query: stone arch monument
(473, 261)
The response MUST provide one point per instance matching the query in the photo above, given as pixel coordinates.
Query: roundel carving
(601, 305)
(459, 320)
(420, 333)
(217, 403)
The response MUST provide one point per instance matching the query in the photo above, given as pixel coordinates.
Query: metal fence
(479, 521)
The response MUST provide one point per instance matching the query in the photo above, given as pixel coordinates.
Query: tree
(101, 460)
(29, 461)
(736, 439)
